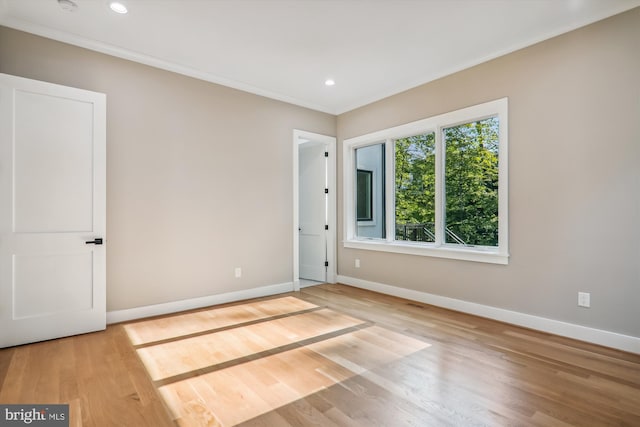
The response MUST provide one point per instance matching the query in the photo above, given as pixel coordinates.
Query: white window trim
(439, 249)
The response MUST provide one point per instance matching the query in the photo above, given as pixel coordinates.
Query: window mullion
(390, 190)
(440, 196)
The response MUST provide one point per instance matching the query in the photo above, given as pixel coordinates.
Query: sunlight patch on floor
(226, 377)
(154, 330)
(192, 354)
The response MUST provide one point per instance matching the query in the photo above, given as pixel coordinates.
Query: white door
(52, 211)
(313, 211)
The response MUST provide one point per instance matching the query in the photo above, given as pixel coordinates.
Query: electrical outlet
(238, 272)
(584, 299)
(357, 263)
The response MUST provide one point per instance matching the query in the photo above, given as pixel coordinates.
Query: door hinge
(326, 263)
(326, 154)
(326, 227)
(326, 191)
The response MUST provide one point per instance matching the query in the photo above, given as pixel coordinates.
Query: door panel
(68, 278)
(312, 211)
(53, 164)
(52, 200)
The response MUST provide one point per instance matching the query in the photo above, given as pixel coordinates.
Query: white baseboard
(570, 330)
(190, 304)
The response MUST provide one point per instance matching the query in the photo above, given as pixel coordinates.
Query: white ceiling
(286, 49)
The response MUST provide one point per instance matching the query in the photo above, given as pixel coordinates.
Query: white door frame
(300, 137)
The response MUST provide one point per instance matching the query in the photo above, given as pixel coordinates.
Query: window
(364, 190)
(439, 185)
(370, 195)
(415, 188)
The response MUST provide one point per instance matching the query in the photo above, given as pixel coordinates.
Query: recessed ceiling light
(118, 7)
(67, 5)
(329, 82)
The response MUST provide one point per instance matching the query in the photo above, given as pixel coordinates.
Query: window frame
(440, 249)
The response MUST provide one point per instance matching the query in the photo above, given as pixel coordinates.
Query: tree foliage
(471, 181)
(415, 184)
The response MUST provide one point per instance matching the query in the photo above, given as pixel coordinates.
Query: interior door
(313, 211)
(52, 211)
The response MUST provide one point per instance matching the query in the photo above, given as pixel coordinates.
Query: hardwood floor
(99, 375)
(330, 355)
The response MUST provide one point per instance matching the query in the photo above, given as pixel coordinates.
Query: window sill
(449, 251)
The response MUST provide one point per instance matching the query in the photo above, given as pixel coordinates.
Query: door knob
(97, 241)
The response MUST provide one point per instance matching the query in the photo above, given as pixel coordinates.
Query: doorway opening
(314, 209)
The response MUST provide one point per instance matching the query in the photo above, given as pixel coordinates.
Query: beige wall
(198, 175)
(574, 179)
